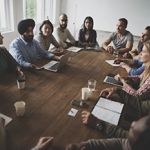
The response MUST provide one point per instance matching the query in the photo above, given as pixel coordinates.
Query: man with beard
(122, 39)
(62, 34)
(25, 50)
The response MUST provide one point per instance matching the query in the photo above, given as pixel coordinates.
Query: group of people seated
(26, 50)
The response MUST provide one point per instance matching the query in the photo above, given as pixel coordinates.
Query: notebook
(111, 62)
(108, 110)
(57, 65)
(74, 49)
(113, 81)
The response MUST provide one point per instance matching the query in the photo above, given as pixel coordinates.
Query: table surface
(48, 96)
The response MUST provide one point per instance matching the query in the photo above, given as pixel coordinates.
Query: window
(6, 14)
(38, 9)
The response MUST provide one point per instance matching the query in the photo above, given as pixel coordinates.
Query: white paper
(108, 110)
(72, 112)
(106, 115)
(110, 105)
(111, 62)
(74, 49)
(7, 119)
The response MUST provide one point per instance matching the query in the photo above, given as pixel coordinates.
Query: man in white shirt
(62, 34)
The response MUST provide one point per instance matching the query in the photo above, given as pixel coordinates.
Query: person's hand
(110, 49)
(126, 67)
(35, 67)
(60, 51)
(85, 117)
(108, 92)
(57, 58)
(127, 55)
(117, 77)
(120, 79)
(44, 143)
(80, 146)
(118, 60)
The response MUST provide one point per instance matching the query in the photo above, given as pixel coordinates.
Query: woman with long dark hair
(87, 35)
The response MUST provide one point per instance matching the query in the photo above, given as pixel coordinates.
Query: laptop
(57, 65)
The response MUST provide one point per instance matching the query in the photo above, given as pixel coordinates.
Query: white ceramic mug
(20, 108)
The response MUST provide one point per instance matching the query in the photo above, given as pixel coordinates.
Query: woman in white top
(45, 37)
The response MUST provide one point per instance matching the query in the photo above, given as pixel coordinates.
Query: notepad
(74, 49)
(108, 110)
(72, 112)
(111, 62)
(7, 119)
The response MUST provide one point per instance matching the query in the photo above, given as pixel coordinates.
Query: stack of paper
(74, 49)
(108, 111)
(111, 62)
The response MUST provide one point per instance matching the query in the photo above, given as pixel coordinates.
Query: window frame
(47, 5)
(8, 8)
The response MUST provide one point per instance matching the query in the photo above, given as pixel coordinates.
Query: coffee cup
(86, 93)
(20, 108)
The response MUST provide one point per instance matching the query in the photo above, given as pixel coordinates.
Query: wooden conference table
(48, 96)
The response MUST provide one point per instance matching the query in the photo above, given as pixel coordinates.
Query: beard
(28, 39)
(63, 26)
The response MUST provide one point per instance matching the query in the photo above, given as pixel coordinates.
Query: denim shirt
(26, 53)
(138, 70)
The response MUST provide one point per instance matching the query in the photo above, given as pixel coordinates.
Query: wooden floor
(48, 96)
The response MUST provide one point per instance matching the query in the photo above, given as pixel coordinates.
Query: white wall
(106, 13)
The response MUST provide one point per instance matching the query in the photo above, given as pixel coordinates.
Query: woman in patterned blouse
(143, 87)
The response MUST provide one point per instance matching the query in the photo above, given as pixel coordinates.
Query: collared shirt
(27, 53)
(62, 36)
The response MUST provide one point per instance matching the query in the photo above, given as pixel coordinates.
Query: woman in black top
(87, 35)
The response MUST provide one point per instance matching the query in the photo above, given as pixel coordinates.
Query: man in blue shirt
(25, 50)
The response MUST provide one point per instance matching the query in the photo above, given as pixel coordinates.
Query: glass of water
(92, 84)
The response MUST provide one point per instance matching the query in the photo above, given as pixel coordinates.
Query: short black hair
(124, 20)
(46, 22)
(143, 142)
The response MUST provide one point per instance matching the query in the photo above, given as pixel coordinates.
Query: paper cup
(20, 108)
(86, 93)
